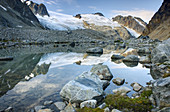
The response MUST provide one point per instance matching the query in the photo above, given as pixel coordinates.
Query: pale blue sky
(141, 8)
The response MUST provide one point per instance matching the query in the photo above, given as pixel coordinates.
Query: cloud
(59, 10)
(93, 7)
(52, 2)
(146, 15)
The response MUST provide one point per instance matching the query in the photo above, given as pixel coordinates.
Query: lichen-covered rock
(85, 87)
(60, 105)
(161, 53)
(102, 71)
(161, 92)
(89, 104)
(122, 90)
(118, 81)
(136, 86)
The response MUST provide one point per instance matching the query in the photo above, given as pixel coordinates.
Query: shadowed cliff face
(13, 72)
(14, 13)
(134, 23)
(158, 27)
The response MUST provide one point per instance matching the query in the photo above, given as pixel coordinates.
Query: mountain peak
(134, 23)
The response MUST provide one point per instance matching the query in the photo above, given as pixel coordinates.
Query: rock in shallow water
(122, 90)
(118, 81)
(102, 71)
(136, 86)
(85, 87)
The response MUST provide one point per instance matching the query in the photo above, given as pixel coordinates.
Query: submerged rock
(102, 71)
(85, 87)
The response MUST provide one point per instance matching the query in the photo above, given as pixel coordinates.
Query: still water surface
(40, 78)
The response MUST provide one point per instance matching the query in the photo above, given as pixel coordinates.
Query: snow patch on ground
(139, 22)
(133, 32)
(58, 21)
(99, 20)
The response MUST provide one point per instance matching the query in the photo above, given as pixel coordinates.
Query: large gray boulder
(161, 92)
(102, 71)
(161, 53)
(86, 86)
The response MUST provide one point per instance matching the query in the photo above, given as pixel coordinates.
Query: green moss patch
(85, 109)
(140, 104)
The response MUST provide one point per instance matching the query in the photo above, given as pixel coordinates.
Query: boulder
(136, 86)
(69, 108)
(131, 58)
(161, 53)
(102, 71)
(60, 105)
(144, 50)
(107, 109)
(85, 87)
(118, 81)
(89, 104)
(96, 50)
(161, 92)
(122, 90)
(160, 70)
(102, 106)
(144, 59)
(37, 108)
(166, 109)
(48, 102)
(116, 57)
(115, 110)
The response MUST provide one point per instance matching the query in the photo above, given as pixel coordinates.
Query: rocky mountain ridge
(13, 13)
(134, 23)
(37, 8)
(159, 25)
